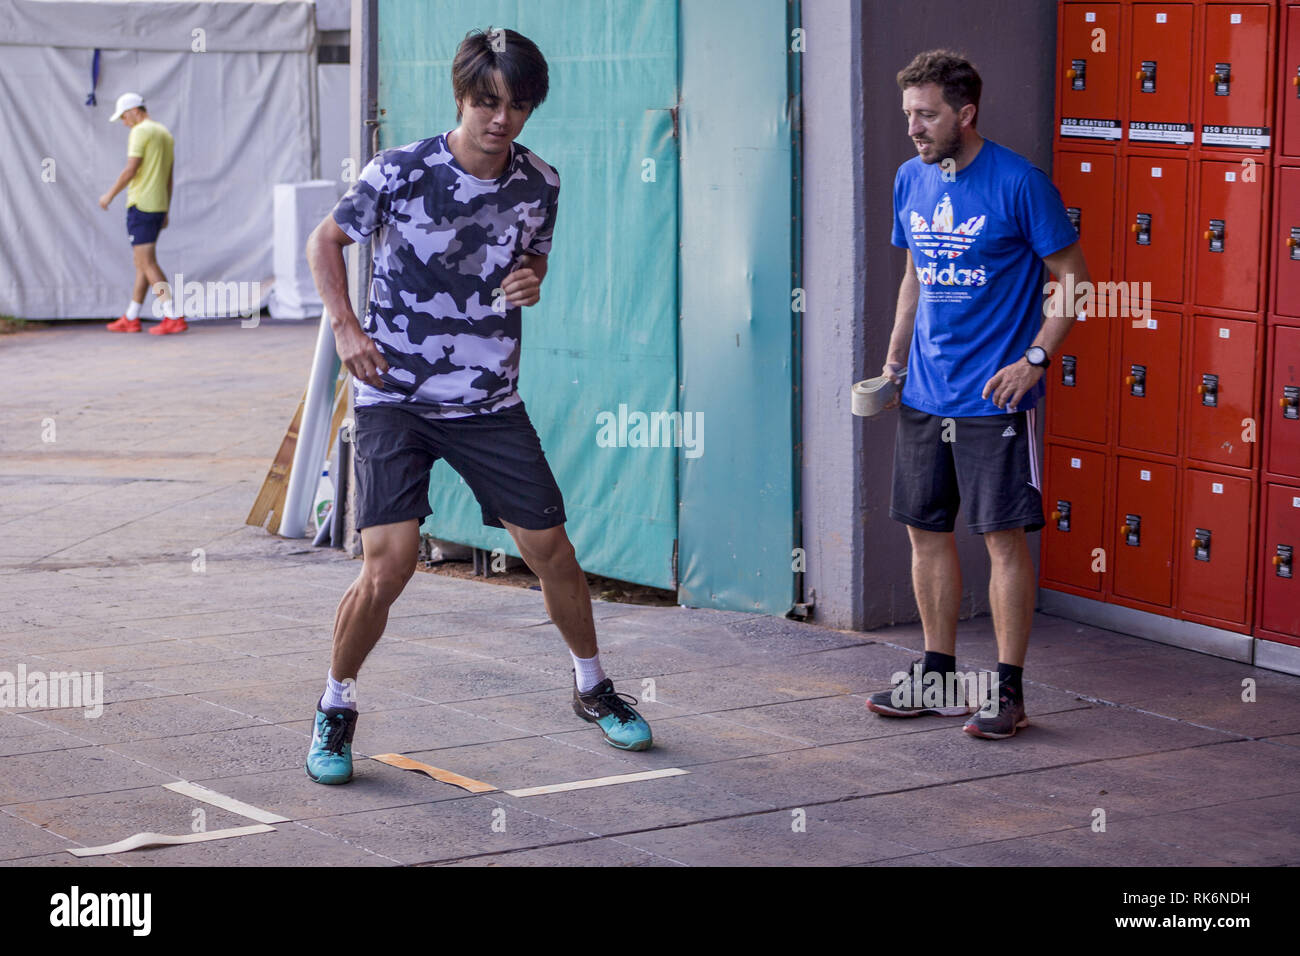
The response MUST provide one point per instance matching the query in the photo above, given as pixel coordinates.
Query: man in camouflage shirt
(461, 227)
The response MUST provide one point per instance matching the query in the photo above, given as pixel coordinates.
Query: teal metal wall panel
(605, 332)
(738, 224)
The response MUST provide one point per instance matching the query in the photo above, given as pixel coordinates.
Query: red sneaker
(124, 325)
(169, 326)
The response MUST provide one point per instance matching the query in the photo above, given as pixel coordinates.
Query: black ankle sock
(1010, 677)
(934, 661)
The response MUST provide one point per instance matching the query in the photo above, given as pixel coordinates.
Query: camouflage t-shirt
(444, 242)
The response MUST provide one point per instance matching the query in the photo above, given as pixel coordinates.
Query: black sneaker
(910, 698)
(1000, 723)
(622, 726)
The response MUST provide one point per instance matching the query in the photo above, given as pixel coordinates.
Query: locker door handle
(1292, 242)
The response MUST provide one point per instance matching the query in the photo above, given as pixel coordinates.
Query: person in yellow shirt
(147, 180)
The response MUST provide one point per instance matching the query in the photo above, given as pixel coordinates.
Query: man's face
(933, 125)
(490, 125)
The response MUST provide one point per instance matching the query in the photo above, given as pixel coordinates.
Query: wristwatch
(1036, 355)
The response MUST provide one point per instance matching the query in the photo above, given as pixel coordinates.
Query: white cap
(127, 101)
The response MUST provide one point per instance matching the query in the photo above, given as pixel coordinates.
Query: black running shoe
(622, 726)
(1000, 723)
(910, 698)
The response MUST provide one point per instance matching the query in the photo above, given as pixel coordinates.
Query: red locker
(1231, 211)
(1150, 383)
(1286, 243)
(1288, 88)
(1144, 523)
(1073, 494)
(1279, 574)
(1160, 80)
(1236, 61)
(1220, 386)
(1088, 189)
(1282, 404)
(1215, 532)
(1088, 87)
(1077, 382)
(1156, 217)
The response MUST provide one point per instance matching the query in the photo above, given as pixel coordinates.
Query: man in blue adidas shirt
(978, 222)
(462, 225)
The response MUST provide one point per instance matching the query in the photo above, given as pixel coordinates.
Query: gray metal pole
(313, 434)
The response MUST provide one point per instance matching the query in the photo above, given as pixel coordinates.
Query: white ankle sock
(133, 310)
(588, 670)
(339, 694)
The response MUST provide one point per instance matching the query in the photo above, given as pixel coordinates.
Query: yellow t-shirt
(147, 190)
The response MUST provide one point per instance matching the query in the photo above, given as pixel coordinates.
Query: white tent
(234, 81)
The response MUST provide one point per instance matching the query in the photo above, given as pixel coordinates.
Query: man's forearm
(123, 180)
(900, 339)
(1073, 272)
(328, 271)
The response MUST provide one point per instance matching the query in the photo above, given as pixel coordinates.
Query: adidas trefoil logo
(1009, 432)
(938, 239)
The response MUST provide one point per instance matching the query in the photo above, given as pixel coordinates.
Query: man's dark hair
(522, 66)
(953, 72)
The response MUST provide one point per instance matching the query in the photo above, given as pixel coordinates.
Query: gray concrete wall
(858, 559)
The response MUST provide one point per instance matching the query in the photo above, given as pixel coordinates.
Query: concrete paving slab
(281, 702)
(230, 752)
(67, 773)
(144, 719)
(632, 808)
(527, 762)
(471, 681)
(551, 711)
(769, 839)
(1118, 846)
(448, 830)
(103, 818)
(691, 740)
(290, 844)
(1264, 832)
(19, 838)
(602, 852)
(1154, 783)
(424, 728)
(374, 786)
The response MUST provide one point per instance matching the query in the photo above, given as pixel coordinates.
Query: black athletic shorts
(990, 461)
(497, 454)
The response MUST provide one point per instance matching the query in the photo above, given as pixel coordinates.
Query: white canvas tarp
(233, 82)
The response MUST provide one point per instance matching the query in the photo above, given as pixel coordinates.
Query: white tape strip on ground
(598, 782)
(204, 795)
(168, 839)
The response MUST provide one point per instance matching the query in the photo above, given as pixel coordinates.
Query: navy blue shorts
(143, 227)
(498, 455)
(987, 462)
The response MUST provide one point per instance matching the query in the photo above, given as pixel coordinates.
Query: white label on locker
(1216, 487)
(1076, 463)
(1234, 18)
(1156, 172)
(1090, 17)
(1295, 502)
(1230, 177)
(1085, 167)
(1144, 475)
(1225, 333)
(1151, 323)
(1162, 18)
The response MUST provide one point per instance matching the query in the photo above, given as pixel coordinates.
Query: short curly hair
(957, 76)
(522, 66)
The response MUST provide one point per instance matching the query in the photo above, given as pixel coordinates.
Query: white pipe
(313, 434)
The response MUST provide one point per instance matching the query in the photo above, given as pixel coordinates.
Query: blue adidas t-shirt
(977, 244)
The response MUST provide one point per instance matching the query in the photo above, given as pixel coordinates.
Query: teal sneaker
(622, 726)
(330, 758)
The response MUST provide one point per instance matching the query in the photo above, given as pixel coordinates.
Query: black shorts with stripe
(987, 462)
